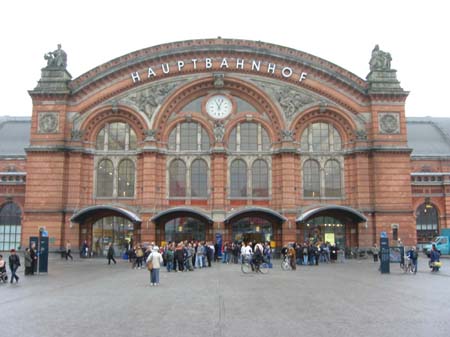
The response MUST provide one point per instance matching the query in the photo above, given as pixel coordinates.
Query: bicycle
(408, 267)
(286, 263)
(247, 266)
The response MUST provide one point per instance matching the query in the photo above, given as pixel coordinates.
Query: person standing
(14, 264)
(28, 262)
(110, 254)
(412, 255)
(434, 258)
(156, 259)
(375, 252)
(68, 250)
(33, 258)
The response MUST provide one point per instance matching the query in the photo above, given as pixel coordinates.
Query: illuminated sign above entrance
(215, 64)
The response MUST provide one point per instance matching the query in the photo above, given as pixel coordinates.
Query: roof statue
(380, 60)
(57, 58)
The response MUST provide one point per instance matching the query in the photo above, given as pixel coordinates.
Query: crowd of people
(190, 255)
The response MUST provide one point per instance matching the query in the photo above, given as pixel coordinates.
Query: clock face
(218, 106)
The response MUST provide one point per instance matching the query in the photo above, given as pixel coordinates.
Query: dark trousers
(375, 257)
(180, 264)
(111, 258)
(68, 254)
(13, 274)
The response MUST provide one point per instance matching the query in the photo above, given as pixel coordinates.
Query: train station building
(221, 138)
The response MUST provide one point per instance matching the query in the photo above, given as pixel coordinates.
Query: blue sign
(44, 234)
(383, 235)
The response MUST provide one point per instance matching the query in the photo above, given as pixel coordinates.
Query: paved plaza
(90, 298)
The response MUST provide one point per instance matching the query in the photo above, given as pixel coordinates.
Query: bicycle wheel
(264, 268)
(246, 268)
(285, 265)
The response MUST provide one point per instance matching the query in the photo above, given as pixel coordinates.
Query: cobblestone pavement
(91, 298)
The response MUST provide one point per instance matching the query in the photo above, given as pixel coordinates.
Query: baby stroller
(3, 275)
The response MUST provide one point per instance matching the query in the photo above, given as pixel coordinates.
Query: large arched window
(311, 179)
(10, 226)
(427, 222)
(320, 137)
(238, 179)
(249, 137)
(260, 179)
(105, 178)
(199, 179)
(115, 172)
(188, 136)
(332, 179)
(125, 183)
(177, 178)
(116, 137)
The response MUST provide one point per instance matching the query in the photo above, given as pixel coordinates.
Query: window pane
(238, 173)
(173, 140)
(249, 137)
(133, 140)
(205, 140)
(116, 136)
(105, 179)
(311, 179)
(125, 183)
(260, 179)
(100, 142)
(332, 179)
(177, 179)
(265, 139)
(199, 179)
(188, 136)
(232, 140)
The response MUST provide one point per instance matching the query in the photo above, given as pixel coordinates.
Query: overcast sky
(344, 32)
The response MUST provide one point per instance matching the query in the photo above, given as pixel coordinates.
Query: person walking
(111, 253)
(156, 259)
(14, 264)
(69, 251)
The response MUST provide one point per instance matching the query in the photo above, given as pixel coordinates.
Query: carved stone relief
(48, 122)
(291, 100)
(389, 122)
(287, 135)
(150, 99)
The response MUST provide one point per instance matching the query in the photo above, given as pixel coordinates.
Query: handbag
(150, 265)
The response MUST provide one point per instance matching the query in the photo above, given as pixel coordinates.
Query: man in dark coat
(111, 254)
(14, 264)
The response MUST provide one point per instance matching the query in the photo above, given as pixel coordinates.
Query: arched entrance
(10, 226)
(182, 223)
(427, 223)
(102, 225)
(256, 224)
(331, 223)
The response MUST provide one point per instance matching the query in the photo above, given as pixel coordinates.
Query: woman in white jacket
(156, 258)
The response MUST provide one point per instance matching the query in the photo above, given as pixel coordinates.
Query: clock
(219, 106)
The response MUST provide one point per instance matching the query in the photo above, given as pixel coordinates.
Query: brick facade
(289, 90)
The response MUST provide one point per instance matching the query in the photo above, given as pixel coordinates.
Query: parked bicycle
(248, 266)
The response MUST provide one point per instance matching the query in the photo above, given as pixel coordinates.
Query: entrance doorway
(324, 229)
(252, 229)
(184, 228)
(119, 231)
